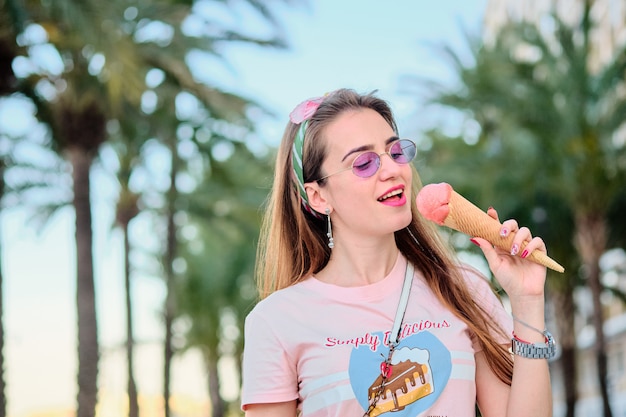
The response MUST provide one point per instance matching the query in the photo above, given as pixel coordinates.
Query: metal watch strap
(535, 350)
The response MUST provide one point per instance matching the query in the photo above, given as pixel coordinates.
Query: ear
(316, 196)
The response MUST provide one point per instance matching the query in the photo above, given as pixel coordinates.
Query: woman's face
(373, 206)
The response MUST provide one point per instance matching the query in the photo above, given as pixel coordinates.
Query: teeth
(391, 194)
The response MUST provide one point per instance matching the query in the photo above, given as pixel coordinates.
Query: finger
(508, 227)
(493, 213)
(521, 238)
(536, 244)
(491, 253)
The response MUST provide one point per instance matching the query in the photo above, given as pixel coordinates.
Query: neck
(360, 263)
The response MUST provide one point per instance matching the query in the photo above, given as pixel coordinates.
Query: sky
(362, 44)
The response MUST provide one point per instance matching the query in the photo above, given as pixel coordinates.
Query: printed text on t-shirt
(373, 340)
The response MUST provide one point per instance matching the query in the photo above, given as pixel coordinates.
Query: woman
(364, 311)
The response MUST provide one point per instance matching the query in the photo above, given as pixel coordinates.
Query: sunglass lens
(366, 164)
(403, 151)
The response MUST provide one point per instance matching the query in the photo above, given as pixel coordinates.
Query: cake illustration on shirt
(410, 380)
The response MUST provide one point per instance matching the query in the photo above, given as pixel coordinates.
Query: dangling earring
(331, 242)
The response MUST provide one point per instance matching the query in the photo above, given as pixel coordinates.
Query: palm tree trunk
(133, 405)
(170, 254)
(565, 312)
(218, 408)
(239, 365)
(168, 354)
(591, 241)
(8, 81)
(3, 399)
(88, 351)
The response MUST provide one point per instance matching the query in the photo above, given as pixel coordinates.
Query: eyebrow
(368, 147)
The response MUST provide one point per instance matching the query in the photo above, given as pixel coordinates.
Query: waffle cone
(469, 219)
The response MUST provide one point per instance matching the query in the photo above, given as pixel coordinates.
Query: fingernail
(475, 242)
(524, 254)
(514, 249)
(504, 232)
(490, 208)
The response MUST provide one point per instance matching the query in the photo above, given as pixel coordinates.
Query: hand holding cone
(444, 206)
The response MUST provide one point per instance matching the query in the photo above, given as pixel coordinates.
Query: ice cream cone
(469, 219)
(447, 207)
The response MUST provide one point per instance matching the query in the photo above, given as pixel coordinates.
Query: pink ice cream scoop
(439, 203)
(433, 202)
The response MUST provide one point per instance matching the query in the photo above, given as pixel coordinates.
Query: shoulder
(279, 302)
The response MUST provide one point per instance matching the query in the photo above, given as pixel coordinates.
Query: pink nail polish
(504, 232)
(524, 254)
(514, 250)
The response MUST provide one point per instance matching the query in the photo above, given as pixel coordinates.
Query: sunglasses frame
(379, 155)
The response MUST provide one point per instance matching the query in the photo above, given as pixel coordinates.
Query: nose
(388, 167)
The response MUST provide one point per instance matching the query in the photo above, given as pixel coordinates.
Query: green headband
(301, 115)
(296, 158)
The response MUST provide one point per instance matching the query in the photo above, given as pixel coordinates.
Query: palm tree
(176, 203)
(450, 159)
(579, 130)
(203, 293)
(171, 249)
(3, 399)
(127, 209)
(11, 23)
(220, 260)
(126, 144)
(77, 122)
(553, 120)
(217, 107)
(76, 115)
(105, 64)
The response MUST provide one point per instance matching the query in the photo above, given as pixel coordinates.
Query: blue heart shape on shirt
(421, 367)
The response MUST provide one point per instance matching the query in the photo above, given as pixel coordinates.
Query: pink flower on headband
(305, 110)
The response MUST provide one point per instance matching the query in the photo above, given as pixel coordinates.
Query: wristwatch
(524, 349)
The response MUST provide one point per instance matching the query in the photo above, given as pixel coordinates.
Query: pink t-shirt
(323, 345)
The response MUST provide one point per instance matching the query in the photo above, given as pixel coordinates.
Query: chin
(404, 221)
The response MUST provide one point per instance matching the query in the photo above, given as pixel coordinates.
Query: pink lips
(394, 202)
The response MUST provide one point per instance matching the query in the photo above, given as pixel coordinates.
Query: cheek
(348, 196)
(408, 173)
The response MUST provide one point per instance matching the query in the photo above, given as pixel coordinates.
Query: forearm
(531, 393)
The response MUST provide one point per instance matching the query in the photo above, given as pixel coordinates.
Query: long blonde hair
(293, 242)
